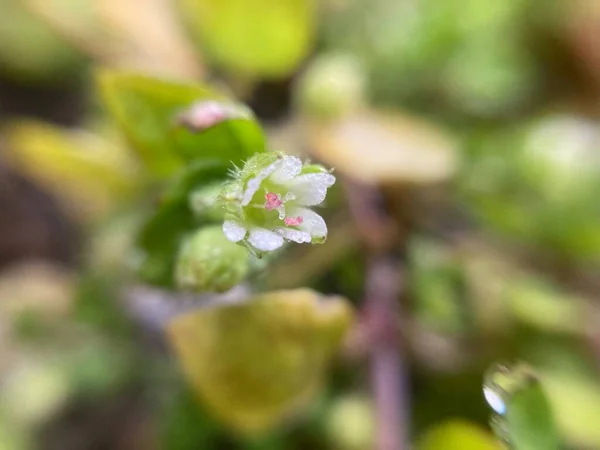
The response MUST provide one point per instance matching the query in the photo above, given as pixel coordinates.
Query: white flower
(269, 199)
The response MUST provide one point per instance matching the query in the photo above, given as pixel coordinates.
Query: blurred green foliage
(478, 120)
(471, 56)
(544, 177)
(268, 38)
(30, 51)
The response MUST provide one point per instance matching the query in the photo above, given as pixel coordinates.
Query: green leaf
(530, 421)
(259, 37)
(231, 141)
(523, 416)
(148, 111)
(197, 174)
(160, 237)
(186, 426)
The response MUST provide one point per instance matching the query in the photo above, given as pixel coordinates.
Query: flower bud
(209, 262)
(561, 156)
(206, 114)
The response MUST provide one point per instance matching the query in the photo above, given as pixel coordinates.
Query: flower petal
(311, 189)
(288, 168)
(264, 240)
(254, 184)
(312, 223)
(293, 235)
(234, 231)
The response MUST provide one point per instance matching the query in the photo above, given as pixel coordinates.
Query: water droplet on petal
(281, 211)
(495, 400)
(494, 388)
(289, 196)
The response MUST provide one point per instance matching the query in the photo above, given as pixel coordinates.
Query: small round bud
(561, 153)
(206, 114)
(331, 86)
(209, 262)
(350, 423)
(34, 391)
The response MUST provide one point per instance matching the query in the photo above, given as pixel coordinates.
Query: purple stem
(388, 373)
(382, 292)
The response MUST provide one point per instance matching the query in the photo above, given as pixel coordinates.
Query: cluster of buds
(268, 202)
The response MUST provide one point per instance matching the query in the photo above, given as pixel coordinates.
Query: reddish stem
(382, 292)
(388, 374)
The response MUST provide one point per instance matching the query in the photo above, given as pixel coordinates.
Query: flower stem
(388, 373)
(382, 292)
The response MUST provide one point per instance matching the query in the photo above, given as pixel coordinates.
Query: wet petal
(311, 189)
(312, 223)
(288, 168)
(234, 231)
(265, 240)
(254, 184)
(294, 235)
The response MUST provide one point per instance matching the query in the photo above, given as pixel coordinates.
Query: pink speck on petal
(273, 201)
(293, 221)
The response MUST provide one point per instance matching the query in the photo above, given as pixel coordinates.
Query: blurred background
(476, 119)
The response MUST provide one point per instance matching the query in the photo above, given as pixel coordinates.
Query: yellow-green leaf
(575, 397)
(258, 37)
(81, 169)
(257, 362)
(457, 434)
